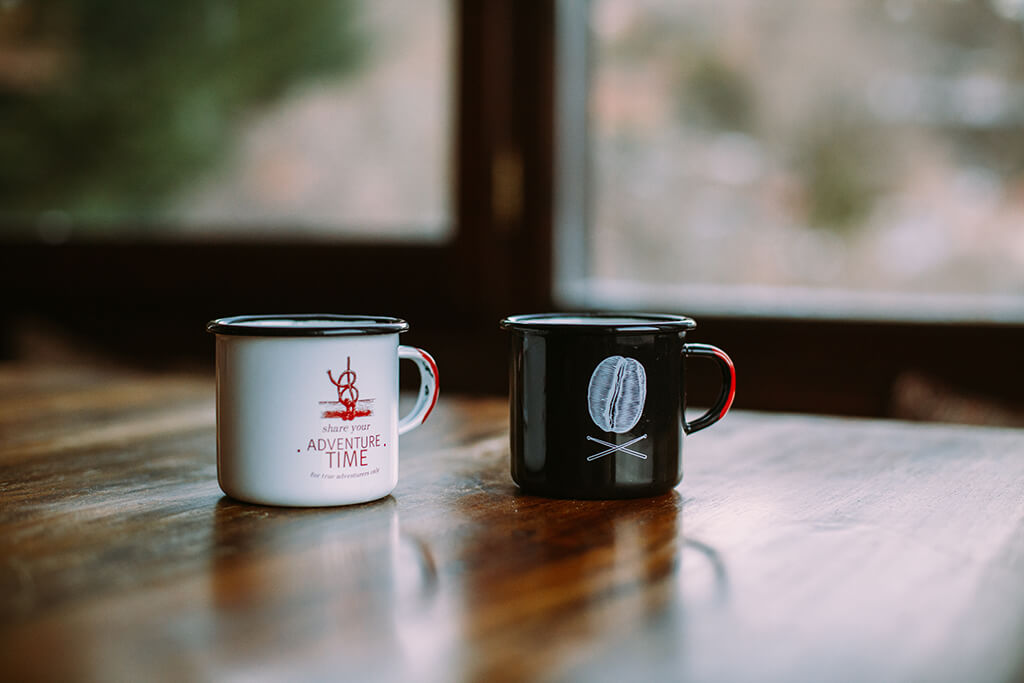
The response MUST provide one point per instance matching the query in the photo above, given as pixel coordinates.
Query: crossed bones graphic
(613, 448)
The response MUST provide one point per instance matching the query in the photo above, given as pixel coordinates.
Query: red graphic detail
(348, 395)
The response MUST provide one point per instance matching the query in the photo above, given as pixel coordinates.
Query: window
(236, 120)
(853, 160)
(135, 281)
(527, 142)
(831, 188)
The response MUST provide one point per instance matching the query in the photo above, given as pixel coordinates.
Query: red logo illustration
(348, 405)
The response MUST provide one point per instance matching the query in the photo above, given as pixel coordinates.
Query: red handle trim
(732, 380)
(437, 383)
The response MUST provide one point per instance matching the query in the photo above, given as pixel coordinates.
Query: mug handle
(428, 387)
(725, 396)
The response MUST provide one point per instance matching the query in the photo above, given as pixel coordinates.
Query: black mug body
(596, 415)
(597, 402)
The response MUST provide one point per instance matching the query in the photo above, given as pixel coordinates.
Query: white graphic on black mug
(624, 447)
(617, 392)
(615, 399)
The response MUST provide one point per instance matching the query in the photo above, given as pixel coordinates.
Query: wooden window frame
(145, 303)
(804, 363)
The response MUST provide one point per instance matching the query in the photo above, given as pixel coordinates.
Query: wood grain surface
(796, 549)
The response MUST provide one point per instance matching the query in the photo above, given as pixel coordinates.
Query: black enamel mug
(597, 402)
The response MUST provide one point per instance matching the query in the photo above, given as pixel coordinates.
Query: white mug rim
(306, 325)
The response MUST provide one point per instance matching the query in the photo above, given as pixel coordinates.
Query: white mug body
(310, 420)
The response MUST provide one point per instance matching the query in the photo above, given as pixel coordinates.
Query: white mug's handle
(429, 386)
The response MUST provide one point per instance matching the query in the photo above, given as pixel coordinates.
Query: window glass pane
(864, 156)
(223, 117)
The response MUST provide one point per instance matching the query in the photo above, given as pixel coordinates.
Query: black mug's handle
(727, 394)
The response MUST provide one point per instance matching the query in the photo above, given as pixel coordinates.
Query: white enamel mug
(307, 407)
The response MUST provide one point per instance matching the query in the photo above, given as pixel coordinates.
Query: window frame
(833, 356)
(142, 302)
(145, 303)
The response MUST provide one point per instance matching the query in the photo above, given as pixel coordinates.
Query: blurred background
(834, 190)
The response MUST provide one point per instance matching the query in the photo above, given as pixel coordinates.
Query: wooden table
(796, 549)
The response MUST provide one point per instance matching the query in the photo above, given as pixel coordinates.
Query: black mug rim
(599, 322)
(306, 325)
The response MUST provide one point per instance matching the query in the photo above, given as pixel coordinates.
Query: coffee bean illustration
(616, 395)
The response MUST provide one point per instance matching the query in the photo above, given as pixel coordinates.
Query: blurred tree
(844, 167)
(717, 96)
(141, 95)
